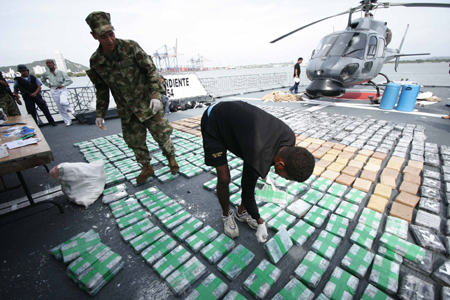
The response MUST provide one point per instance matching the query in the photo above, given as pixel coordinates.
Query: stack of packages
(93, 264)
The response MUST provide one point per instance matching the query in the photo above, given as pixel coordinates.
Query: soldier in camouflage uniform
(7, 99)
(124, 68)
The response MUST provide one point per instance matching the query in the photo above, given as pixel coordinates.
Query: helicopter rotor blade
(416, 4)
(315, 22)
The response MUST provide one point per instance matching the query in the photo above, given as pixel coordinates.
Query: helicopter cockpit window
(349, 45)
(381, 47)
(372, 49)
(324, 46)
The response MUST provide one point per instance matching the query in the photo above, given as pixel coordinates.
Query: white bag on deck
(82, 183)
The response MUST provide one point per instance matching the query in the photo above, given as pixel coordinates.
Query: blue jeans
(166, 103)
(294, 87)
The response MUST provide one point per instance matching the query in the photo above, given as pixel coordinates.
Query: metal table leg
(32, 203)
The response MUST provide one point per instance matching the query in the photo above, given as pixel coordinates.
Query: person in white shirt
(57, 81)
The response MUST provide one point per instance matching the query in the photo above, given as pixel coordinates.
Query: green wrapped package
(310, 179)
(159, 248)
(81, 244)
(341, 286)
(301, 232)
(355, 196)
(217, 248)
(115, 189)
(267, 194)
(187, 228)
(167, 177)
(316, 216)
(363, 236)
(201, 238)
(337, 190)
(233, 295)
(211, 185)
(122, 203)
(404, 248)
(156, 205)
(86, 260)
(294, 290)
(211, 288)
(190, 171)
(329, 202)
(347, 210)
(370, 218)
(135, 183)
(146, 239)
(168, 211)
(312, 196)
(106, 199)
(311, 269)
(185, 276)
(268, 211)
(396, 226)
(357, 261)
(147, 192)
(133, 175)
(235, 262)
(93, 279)
(175, 220)
(235, 199)
(337, 225)
(114, 179)
(262, 279)
(127, 207)
(296, 188)
(389, 254)
(321, 184)
(322, 297)
(299, 208)
(162, 171)
(326, 244)
(56, 250)
(372, 293)
(282, 220)
(136, 230)
(385, 275)
(278, 245)
(131, 219)
(171, 261)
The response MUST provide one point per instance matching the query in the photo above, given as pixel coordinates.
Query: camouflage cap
(100, 22)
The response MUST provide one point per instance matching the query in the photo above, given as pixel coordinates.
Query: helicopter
(356, 54)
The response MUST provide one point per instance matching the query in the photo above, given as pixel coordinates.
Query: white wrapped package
(82, 183)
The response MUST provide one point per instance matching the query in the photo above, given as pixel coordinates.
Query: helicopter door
(370, 55)
(381, 47)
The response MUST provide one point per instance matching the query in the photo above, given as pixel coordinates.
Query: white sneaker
(70, 110)
(68, 124)
(229, 225)
(245, 217)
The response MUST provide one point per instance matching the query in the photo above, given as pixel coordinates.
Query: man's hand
(155, 105)
(33, 95)
(59, 86)
(18, 99)
(100, 122)
(261, 233)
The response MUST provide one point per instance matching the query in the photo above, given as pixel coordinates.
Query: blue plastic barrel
(408, 97)
(390, 96)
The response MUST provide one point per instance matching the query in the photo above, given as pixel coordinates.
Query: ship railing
(82, 99)
(240, 84)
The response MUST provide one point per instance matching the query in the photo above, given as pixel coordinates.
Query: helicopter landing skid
(378, 99)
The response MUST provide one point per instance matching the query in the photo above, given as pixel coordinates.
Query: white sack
(82, 183)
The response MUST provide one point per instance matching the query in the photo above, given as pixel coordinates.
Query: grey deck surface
(30, 272)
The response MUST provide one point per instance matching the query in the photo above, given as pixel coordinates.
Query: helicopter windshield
(345, 44)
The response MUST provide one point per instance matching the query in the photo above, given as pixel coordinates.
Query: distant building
(39, 70)
(60, 62)
(10, 74)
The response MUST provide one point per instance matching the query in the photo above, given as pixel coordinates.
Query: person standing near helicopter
(297, 72)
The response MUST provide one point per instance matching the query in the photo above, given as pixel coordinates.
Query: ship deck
(30, 272)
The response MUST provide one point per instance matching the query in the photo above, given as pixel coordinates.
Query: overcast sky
(234, 33)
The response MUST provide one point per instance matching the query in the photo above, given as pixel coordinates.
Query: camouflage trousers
(8, 104)
(135, 133)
